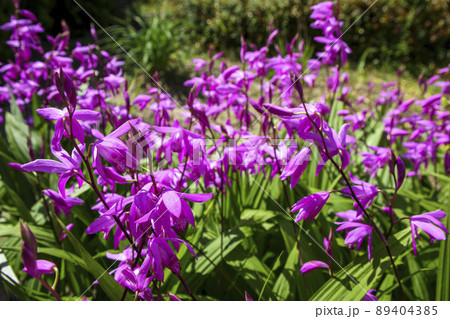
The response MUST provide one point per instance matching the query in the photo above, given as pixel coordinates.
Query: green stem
(53, 291)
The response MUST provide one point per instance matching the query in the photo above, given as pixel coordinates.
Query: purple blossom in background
(373, 162)
(69, 227)
(350, 216)
(335, 47)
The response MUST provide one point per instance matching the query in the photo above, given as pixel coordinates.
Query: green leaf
(419, 285)
(17, 181)
(284, 285)
(443, 178)
(14, 108)
(374, 138)
(64, 254)
(44, 236)
(22, 208)
(22, 293)
(111, 287)
(231, 240)
(212, 254)
(16, 133)
(275, 265)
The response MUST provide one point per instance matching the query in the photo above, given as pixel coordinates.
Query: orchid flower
(308, 207)
(365, 193)
(356, 236)
(430, 224)
(67, 167)
(62, 125)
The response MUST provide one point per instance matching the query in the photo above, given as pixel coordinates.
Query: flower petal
(44, 165)
(311, 265)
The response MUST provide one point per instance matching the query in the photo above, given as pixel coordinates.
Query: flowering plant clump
(231, 199)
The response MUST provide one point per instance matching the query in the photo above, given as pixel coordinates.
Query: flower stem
(53, 291)
(347, 182)
(186, 287)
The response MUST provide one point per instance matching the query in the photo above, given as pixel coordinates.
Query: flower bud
(400, 172)
(29, 239)
(392, 161)
(278, 110)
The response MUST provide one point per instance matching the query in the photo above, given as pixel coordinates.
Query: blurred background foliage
(154, 40)
(50, 13)
(413, 33)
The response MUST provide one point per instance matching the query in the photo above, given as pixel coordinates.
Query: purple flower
(179, 141)
(61, 203)
(430, 224)
(311, 265)
(114, 151)
(137, 280)
(279, 110)
(62, 125)
(334, 143)
(310, 206)
(334, 47)
(373, 162)
(68, 167)
(172, 297)
(355, 237)
(322, 10)
(33, 266)
(66, 88)
(364, 192)
(358, 119)
(171, 210)
(327, 244)
(350, 216)
(369, 296)
(69, 227)
(162, 255)
(419, 153)
(296, 166)
(400, 172)
(199, 64)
